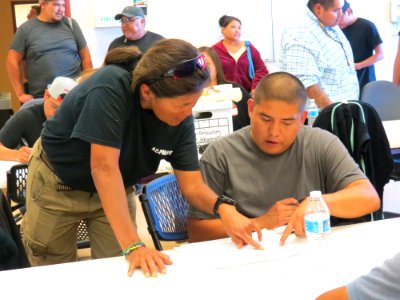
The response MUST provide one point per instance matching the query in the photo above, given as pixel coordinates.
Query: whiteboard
(197, 21)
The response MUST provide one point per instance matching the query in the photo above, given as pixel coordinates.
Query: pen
(24, 142)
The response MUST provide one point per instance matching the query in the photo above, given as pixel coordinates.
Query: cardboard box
(212, 120)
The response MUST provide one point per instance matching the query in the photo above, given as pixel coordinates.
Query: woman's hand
(150, 261)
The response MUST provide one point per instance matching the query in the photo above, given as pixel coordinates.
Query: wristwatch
(223, 199)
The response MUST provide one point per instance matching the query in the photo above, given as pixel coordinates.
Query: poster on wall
(106, 10)
(142, 4)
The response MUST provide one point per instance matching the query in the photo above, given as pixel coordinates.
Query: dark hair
(125, 57)
(281, 86)
(163, 56)
(217, 63)
(325, 3)
(225, 20)
(36, 8)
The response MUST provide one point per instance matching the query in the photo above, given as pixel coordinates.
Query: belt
(61, 187)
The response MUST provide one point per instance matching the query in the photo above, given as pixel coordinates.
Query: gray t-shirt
(50, 50)
(381, 283)
(236, 167)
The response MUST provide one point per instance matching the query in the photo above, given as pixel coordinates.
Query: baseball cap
(61, 85)
(130, 11)
(345, 6)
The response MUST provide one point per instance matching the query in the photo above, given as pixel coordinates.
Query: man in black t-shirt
(133, 24)
(365, 42)
(23, 129)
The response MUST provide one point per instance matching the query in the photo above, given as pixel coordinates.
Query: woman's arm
(109, 184)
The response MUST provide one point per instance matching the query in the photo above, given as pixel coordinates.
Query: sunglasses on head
(184, 69)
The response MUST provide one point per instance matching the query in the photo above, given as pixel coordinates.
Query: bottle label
(312, 113)
(317, 223)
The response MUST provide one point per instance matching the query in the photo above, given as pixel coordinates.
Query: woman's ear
(146, 96)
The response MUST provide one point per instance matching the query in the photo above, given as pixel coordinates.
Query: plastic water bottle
(317, 217)
(312, 111)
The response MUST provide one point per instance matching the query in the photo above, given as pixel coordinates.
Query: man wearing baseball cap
(133, 25)
(21, 131)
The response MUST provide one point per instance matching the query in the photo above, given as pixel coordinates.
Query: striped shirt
(319, 54)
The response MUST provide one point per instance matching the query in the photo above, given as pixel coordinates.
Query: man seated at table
(23, 129)
(273, 164)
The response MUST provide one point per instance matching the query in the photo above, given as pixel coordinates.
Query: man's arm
(377, 56)
(356, 199)
(237, 226)
(396, 67)
(317, 93)
(84, 53)
(335, 294)
(21, 155)
(210, 229)
(13, 66)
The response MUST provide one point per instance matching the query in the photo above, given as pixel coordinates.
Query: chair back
(165, 210)
(16, 195)
(16, 183)
(384, 96)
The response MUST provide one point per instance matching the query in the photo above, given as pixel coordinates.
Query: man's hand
(25, 98)
(150, 261)
(23, 154)
(278, 215)
(238, 227)
(296, 222)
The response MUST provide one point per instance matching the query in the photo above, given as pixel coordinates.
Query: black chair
(16, 195)
(360, 129)
(12, 252)
(165, 210)
(5, 114)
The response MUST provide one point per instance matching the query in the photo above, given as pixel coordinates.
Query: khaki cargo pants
(53, 214)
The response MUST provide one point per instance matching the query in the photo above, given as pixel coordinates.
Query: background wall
(184, 22)
(200, 24)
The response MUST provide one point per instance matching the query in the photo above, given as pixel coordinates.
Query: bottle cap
(315, 194)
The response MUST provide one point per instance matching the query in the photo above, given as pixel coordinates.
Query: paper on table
(222, 254)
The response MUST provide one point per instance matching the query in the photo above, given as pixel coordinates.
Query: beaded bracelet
(132, 248)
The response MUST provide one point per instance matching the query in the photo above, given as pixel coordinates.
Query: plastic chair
(384, 96)
(165, 210)
(16, 195)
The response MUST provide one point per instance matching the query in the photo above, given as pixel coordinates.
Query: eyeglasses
(184, 69)
(337, 41)
(129, 20)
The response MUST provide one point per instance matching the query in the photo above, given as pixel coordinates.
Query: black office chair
(12, 252)
(360, 129)
(16, 195)
(5, 114)
(165, 210)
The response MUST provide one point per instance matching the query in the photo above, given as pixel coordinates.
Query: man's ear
(304, 116)
(250, 106)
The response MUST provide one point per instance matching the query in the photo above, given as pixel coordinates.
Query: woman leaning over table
(111, 131)
(234, 58)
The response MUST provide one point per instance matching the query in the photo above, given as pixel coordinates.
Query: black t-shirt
(25, 124)
(363, 37)
(143, 43)
(104, 110)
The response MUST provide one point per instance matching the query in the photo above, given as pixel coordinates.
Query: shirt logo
(162, 152)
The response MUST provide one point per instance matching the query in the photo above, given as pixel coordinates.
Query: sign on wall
(105, 13)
